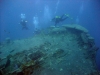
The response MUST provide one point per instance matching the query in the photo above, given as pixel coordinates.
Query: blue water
(83, 12)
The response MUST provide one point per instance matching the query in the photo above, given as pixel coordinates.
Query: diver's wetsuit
(59, 19)
(23, 23)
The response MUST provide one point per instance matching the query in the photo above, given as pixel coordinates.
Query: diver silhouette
(23, 21)
(58, 19)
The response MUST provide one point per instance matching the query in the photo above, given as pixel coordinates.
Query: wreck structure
(65, 50)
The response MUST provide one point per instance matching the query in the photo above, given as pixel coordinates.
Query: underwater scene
(49, 37)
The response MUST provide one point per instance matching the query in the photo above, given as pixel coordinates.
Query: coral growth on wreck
(65, 50)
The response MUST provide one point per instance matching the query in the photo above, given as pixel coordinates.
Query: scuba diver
(23, 21)
(58, 19)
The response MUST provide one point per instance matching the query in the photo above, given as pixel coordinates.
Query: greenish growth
(65, 50)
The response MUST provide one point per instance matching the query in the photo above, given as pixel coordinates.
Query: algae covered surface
(65, 50)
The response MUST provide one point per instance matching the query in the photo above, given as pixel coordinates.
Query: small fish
(8, 32)
(12, 51)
